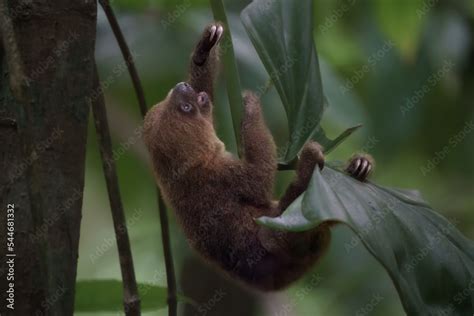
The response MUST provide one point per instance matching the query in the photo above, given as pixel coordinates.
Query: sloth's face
(189, 103)
(180, 128)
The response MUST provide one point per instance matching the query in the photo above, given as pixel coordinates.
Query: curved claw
(210, 38)
(213, 32)
(219, 32)
(367, 172)
(321, 165)
(360, 166)
(354, 166)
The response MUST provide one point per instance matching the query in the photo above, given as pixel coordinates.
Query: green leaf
(430, 262)
(281, 32)
(328, 144)
(107, 296)
(231, 72)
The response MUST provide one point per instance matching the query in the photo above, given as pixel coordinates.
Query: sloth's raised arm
(204, 60)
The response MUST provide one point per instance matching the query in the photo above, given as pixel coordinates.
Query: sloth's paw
(360, 166)
(212, 35)
(313, 151)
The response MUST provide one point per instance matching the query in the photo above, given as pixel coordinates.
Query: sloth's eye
(186, 107)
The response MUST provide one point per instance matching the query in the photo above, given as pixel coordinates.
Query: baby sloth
(216, 196)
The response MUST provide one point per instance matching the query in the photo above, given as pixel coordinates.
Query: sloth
(216, 196)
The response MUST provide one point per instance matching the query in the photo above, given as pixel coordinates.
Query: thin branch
(290, 166)
(170, 273)
(127, 55)
(131, 297)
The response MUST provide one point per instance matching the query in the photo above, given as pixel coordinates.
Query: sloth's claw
(212, 31)
(219, 32)
(212, 36)
(360, 166)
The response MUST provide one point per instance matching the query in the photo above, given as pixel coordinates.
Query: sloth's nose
(183, 87)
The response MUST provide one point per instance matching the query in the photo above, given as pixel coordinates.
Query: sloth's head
(179, 131)
(188, 104)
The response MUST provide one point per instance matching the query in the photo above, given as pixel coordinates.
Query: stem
(165, 235)
(290, 166)
(127, 55)
(233, 79)
(170, 274)
(234, 90)
(131, 297)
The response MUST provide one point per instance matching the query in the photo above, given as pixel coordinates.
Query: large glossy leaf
(330, 144)
(430, 262)
(231, 72)
(281, 32)
(107, 296)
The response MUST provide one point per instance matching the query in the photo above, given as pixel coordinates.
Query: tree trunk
(42, 155)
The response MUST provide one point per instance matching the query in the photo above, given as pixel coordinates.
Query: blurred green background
(404, 69)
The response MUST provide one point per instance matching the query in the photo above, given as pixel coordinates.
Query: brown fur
(216, 196)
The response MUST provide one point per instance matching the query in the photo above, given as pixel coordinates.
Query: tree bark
(42, 156)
